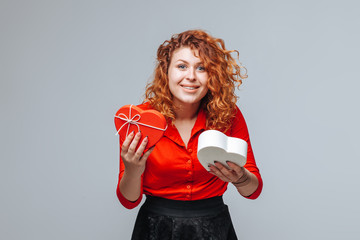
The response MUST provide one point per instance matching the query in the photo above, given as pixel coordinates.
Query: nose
(191, 74)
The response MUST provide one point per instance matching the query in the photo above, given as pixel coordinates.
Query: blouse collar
(200, 125)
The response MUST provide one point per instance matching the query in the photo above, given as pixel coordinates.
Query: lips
(189, 87)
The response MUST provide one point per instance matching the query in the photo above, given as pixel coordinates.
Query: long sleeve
(126, 203)
(240, 130)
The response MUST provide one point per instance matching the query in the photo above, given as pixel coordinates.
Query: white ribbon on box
(135, 121)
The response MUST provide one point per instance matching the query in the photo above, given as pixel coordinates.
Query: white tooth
(191, 88)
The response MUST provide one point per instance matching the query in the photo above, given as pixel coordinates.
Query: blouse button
(189, 161)
(189, 172)
(188, 196)
(190, 150)
(188, 186)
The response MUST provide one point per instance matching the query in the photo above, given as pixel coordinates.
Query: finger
(147, 154)
(216, 171)
(239, 170)
(127, 141)
(141, 148)
(134, 142)
(229, 174)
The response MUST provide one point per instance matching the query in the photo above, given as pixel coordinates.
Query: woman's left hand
(227, 175)
(245, 182)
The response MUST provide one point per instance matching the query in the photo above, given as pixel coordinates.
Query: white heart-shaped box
(214, 145)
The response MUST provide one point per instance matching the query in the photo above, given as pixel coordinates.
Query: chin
(189, 102)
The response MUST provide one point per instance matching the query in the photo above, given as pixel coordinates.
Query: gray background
(67, 66)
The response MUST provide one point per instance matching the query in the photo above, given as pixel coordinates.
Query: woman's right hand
(134, 159)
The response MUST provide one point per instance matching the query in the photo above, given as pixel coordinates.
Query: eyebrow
(200, 62)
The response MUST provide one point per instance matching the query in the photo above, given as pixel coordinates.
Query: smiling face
(187, 78)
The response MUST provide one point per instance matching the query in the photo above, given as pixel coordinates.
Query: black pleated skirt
(162, 219)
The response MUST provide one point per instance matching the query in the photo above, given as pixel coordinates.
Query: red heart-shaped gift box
(150, 122)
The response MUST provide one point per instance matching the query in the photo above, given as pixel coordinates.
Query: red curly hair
(224, 73)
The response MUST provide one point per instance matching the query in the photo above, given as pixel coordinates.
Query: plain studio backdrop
(67, 66)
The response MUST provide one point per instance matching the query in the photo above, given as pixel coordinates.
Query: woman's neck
(186, 112)
(185, 118)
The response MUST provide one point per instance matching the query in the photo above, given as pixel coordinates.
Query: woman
(193, 88)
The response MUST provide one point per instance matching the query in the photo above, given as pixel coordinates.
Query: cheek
(206, 90)
(176, 75)
(173, 76)
(172, 82)
(205, 84)
(205, 81)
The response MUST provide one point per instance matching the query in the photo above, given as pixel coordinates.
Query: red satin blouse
(174, 172)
